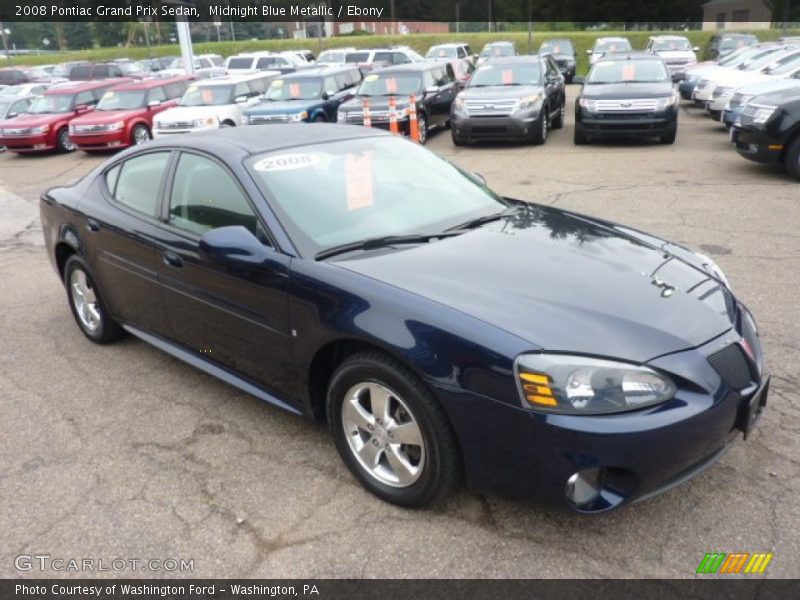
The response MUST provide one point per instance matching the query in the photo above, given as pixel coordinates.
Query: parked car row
(755, 93)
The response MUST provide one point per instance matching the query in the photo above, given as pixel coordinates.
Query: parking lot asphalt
(123, 452)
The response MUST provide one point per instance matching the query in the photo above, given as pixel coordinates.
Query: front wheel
(64, 142)
(320, 119)
(391, 432)
(422, 124)
(792, 158)
(140, 135)
(558, 122)
(457, 141)
(541, 127)
(87, 305)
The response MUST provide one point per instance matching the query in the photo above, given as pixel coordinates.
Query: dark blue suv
(313, 95)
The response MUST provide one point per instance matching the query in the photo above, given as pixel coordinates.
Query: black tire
(669, 138)
(227, 124)
(541, 127)
(558, 122)
(422, 125)
(63, 141)
(441, 471)
(139, 133)
(107, 329)
(457, 141)
(578, 138)
(792, 158)
(320, 119)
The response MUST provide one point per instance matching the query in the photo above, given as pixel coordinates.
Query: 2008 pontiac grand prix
(441, 331)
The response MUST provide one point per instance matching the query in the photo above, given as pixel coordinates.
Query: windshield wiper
(473, 223)
(382, 242)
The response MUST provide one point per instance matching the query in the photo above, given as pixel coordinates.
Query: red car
(124, 115)
(45, 126)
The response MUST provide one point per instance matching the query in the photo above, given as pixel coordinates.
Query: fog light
(584, 487)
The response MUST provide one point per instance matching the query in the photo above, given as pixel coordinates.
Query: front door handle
(92, 225)
(172, 260)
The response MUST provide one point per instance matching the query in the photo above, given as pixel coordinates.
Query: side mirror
(82, 108)
(11, 115)
(589, 51)
(154, 103)
(240, 99)
(696, 48)
(233, 243)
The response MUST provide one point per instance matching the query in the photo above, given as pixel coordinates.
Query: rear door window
(137, 184)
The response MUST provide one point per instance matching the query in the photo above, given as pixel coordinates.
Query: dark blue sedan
(441, 331)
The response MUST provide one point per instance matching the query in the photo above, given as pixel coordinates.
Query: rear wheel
(422, 124)
(792, 158)
(140, 135)
(391, 432)
(65, 144)
(87, 305)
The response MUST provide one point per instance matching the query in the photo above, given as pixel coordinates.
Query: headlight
(587, 103)
(459, 103)
(763, 114)
(301, 116)
(116, 126)
(663, 103)
(529, 101)
(567, 384)
(712, 268)
(41, 129)
(207, 122)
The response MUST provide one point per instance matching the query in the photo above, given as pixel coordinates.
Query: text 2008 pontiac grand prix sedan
(351, 276)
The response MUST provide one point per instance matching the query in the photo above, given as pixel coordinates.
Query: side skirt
(212, 369)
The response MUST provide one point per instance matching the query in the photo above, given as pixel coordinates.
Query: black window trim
(166, 195)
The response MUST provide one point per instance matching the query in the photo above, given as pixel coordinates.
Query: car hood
(183, 113)
(30, 120)
(499, 92)
(280, 107)
(791, 94)
(627, 90)
(564, 283)
(103, 117)
(769, 86)
(674, 54)
(737, 78)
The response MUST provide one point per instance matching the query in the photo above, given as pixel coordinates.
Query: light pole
(5, 32)
(184, 34)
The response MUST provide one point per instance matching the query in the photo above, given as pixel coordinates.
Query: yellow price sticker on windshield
(277, 83)
(370, 78)
(191, 88)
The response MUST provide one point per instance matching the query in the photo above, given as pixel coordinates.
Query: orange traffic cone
(413, 126)
(393, 114)
(367, 118)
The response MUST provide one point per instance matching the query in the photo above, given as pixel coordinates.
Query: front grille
(676, 61)
(176, 125)
(488, 108)
(732, 366)
(640, 105)
(259, 119)
(16, 132)
(88, 128)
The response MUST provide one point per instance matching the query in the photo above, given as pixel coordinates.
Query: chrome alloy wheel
(383, 434)
(85, 301)
(140, 136)
(65, 141)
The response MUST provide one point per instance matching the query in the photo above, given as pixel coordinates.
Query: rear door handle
(92, 225)
(172, 260)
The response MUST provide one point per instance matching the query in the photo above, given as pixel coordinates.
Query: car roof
(514, 60)
(318, 72)
(247, 141)
(501, 43)
(635, 55)
(613, 38)
(83, 86)
(417, 67)
(232, 79)
(668, 37)
(146, 84)
(449, 45)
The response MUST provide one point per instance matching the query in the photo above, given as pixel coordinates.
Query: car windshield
(556, 47)
(737, 56)
(391, 84)
(12, 90)
(738, 42)
(207, 95)
(128, 100)
(53, 103)
(245, 62)
(785, 65)
(178, 64)
(612, 46)
(357, 57)
(37, 73)
(628, 71)
(331, 56)
(4, 107)
(130, 68)
(307, 88)
(497, 51)
(517, 74)
(362, 189)
(681, 45)
(760, 60)
(442, 52)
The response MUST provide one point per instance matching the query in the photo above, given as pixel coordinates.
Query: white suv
(283, 62)
(676, 50)
(213, 103)
(383, 57)
(205, 66)
(608, 45)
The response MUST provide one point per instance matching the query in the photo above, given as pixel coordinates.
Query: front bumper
(29, 143)
(494, 128)
(757, 145)
(593, 125)
(529, 454)
(157, 133)
(101, 141)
